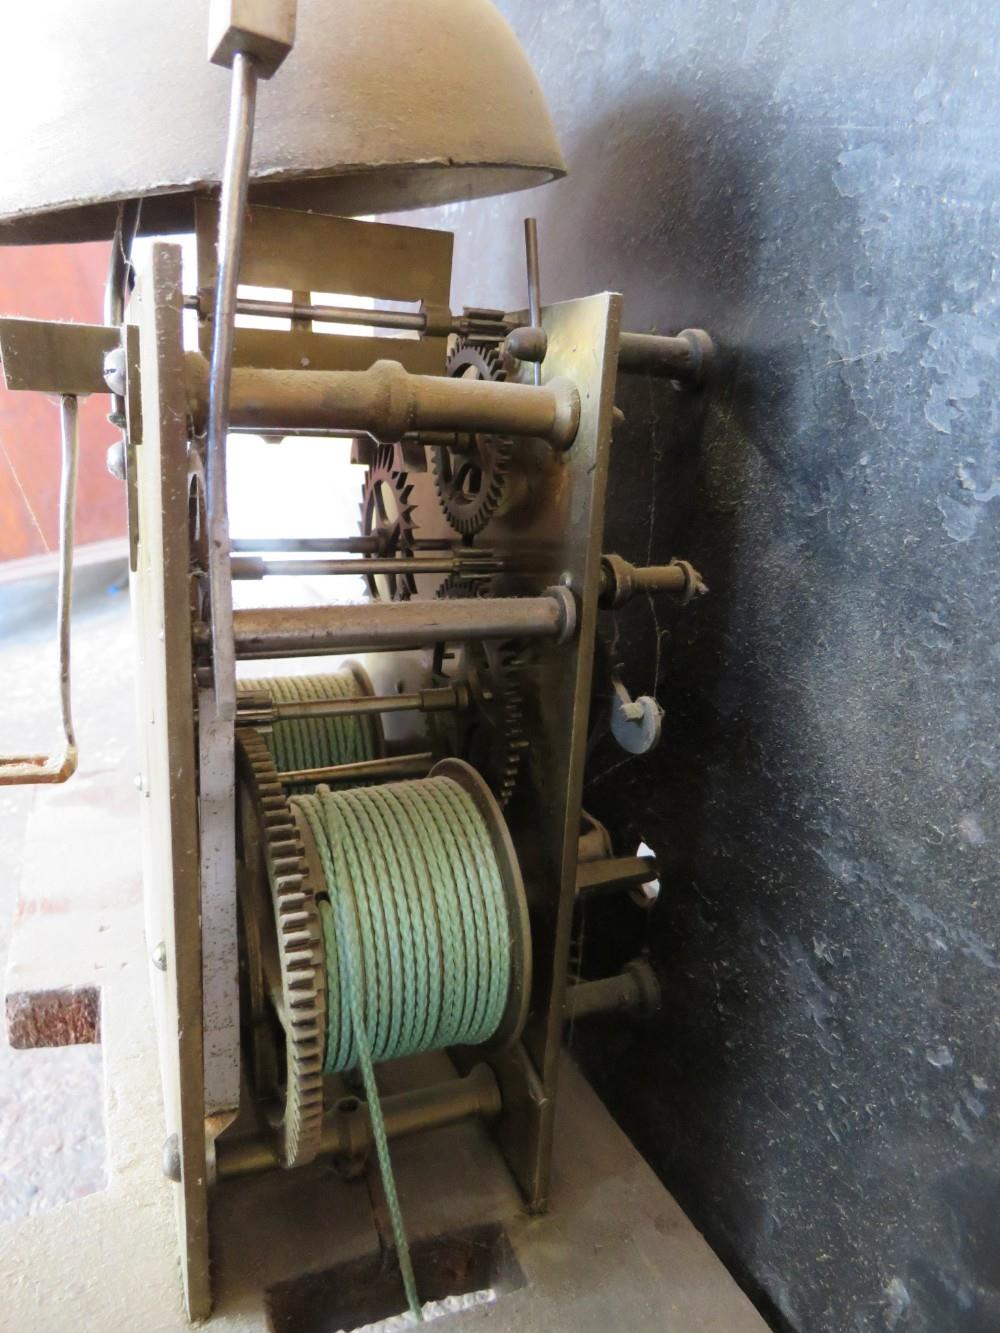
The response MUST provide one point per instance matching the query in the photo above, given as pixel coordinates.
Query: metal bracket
(121, 376)
(57, 767)
(47, 357)
(68, 359)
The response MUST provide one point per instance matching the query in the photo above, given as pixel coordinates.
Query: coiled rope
(417, 934)
(318, 742)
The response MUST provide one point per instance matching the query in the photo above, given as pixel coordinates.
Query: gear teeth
(299, 942)
(500, 703)
(384, 472)
(468, 515)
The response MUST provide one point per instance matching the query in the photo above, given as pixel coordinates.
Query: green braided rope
(317, 742)
(417, 935)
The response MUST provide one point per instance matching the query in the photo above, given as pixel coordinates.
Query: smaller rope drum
(321, 741)
(423, 914)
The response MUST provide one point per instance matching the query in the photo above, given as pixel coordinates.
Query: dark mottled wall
(818, 186)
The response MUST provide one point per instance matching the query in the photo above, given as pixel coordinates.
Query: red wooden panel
(53, 282)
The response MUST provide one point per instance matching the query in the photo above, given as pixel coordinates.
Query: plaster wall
(818, 186)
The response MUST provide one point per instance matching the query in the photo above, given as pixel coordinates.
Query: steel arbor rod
(388, 626)
(415, 320)
(534, 284)
(445, 698)
(251, 567)
(353, 545)
(365, 770)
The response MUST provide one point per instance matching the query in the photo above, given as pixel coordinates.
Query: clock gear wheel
(283, 966)
(387, 514)
(471, 478)
(490, 735)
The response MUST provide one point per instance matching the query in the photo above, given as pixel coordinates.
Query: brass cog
(493, 740)
(283, 953)
(386, 513)
(471, 482)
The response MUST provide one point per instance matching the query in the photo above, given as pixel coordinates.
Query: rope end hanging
(419, 934)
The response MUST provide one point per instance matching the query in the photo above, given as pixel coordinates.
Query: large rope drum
(377, 922)
(423, 914)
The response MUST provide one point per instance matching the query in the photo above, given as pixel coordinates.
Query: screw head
(114, 371)
(160, 957)
(171, 1158)
(115, 459)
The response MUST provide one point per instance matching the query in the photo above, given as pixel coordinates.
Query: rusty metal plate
(278, 349)
(556, 536)
(49, 357)
(286, 248)
(306, 253)
(167, 750)
(554, 532)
